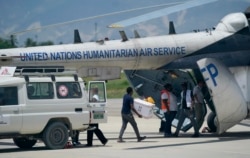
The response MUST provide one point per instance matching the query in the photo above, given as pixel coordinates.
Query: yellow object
(150, 100)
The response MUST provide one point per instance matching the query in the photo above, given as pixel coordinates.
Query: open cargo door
(229, 102)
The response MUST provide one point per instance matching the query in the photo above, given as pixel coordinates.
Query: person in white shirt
(186, 110)
(169, 107)
(95, 96)
(97, 131)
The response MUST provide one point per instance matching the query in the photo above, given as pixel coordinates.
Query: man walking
(199, 105)
(186, 110)
(169, 107)
(127, 116)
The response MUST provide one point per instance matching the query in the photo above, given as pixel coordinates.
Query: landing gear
(211, 122)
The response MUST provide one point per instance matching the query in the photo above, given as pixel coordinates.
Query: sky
(20, 15)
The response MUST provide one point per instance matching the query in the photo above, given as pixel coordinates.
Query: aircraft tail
(228, 99)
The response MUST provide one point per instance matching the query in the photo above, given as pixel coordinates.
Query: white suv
(48, 108)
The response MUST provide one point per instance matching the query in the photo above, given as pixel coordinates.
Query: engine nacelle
(232, 23)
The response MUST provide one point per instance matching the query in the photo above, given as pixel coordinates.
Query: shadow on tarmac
(228, 136)
(225, 137)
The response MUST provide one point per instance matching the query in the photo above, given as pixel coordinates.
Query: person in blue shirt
(127, 116)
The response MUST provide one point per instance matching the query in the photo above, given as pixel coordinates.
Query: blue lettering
(149, 50)
(58, 56)
(130, 53)
(117, 54)
(107, 54)
(85, 55)
(171, 50)
(161, 52)
(141, 52)
(182, 50)
(112, 53)
(69, 56)
(156, 52)
(95, 54)
(123, 51)
(101, 54)
(78, 55)
(165, 50)
(40, 56)
(135, 52)
(213, 72)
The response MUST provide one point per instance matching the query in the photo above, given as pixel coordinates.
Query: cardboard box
(144, 108)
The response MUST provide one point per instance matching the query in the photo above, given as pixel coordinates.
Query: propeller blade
(159, 13)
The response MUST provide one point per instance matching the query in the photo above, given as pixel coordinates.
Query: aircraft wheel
(211, 122)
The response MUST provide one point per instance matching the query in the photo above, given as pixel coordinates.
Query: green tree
(30, 43)
(11, 43)
(46, 43)
(7, 43)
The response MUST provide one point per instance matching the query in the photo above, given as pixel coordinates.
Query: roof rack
(44, 71)
(52, 72)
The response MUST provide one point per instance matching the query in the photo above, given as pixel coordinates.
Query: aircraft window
(40, 90)
(97, 92)
(8, 96)
(68, 90)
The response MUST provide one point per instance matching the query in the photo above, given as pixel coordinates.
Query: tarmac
(232, 144)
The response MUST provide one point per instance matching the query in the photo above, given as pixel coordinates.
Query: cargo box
(144, 108)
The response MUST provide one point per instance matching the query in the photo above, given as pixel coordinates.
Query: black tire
(56, 135)
(24, 143)
(211, 122)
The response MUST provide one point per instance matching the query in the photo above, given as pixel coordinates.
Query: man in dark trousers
(95, 129)
(169, 107)
(186, 110)
(127, 115)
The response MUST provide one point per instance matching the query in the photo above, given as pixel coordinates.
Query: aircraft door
(229, 102)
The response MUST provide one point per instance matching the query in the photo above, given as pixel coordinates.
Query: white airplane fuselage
(137, 53)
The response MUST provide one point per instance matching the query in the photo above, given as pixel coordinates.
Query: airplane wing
(159, 13)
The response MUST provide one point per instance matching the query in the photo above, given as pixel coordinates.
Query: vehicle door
(97, 101)
(10, 110)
